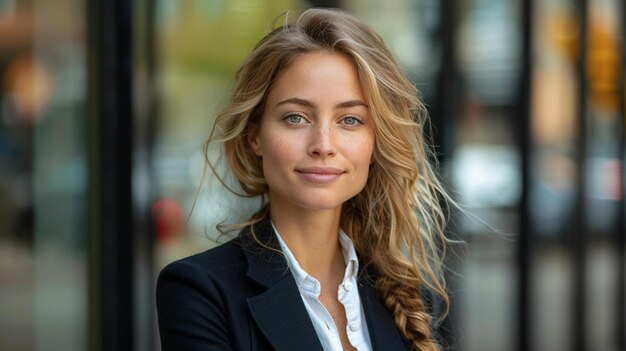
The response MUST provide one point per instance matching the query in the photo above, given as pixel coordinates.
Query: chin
(312, 199)
(321, 203)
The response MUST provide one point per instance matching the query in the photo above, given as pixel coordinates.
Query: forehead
(318, 75)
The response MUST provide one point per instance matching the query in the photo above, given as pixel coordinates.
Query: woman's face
(316, 136)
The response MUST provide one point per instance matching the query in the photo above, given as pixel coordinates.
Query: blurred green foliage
(214, 36)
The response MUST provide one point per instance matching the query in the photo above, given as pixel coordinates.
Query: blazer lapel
(279, 312)
(383, 332)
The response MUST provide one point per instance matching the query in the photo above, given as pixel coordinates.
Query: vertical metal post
(447, 101)
(110, 153)
(579, 230)
(145, 121)
(443, 113)
(525, 233)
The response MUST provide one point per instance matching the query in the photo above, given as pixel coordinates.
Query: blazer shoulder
(192, 299)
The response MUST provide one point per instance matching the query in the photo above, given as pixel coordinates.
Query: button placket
(354, 326)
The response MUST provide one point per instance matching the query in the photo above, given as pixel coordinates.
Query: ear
(253, 139)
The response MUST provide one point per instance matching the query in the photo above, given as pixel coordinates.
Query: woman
(345, 252)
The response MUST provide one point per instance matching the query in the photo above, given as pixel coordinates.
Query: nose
(322, 141)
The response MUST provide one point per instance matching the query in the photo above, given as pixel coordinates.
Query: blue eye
(294, 119)
(351, 121)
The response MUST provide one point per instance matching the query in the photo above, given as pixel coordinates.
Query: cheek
(363, 152)
(362, 158)
(277, 152)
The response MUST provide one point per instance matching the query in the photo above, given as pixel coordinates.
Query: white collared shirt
(348, 295)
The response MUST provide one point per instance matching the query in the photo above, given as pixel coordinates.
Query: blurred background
(105, 104)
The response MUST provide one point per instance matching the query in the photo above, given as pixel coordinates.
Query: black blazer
(242, 296)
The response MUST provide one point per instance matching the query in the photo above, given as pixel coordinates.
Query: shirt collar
(308, 282)
(349, 255)
(298, 273)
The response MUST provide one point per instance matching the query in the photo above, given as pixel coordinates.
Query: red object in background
(169, 220)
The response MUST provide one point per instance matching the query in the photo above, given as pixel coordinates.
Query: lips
(319, 174)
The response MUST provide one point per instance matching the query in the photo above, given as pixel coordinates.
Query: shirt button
(354, 326)
(347, 286)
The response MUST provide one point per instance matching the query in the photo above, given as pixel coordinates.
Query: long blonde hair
(396, 222)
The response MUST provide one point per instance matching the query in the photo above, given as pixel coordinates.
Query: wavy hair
(396, 222)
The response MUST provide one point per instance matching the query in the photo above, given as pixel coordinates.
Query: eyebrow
(307, 103)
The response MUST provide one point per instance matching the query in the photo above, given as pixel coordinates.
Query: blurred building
(105, 105)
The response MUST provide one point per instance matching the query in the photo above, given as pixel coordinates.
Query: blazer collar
(266, 263)
(383, 332)
(279, 311)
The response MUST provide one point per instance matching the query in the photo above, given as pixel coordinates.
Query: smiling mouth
(319, 174)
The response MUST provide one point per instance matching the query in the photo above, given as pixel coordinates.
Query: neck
(312, 237)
